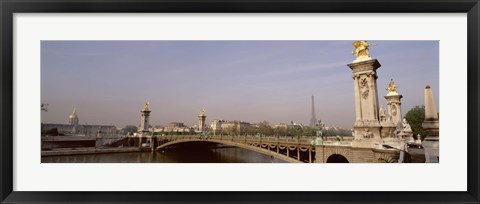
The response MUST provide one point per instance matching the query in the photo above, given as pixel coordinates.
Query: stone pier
(144, 120)
(201, 121)
(367, 125)
(431, 125)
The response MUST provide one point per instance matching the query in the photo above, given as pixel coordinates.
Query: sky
(107, 82)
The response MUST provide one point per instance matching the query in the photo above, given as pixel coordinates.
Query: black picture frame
(10, 7)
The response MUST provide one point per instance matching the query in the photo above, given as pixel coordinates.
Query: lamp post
(319, 135)
(408, 157)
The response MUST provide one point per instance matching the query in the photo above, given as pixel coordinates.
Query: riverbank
(89, 150)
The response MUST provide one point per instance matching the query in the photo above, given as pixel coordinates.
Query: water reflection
(184, 153)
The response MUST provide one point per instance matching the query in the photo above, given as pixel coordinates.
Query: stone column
(394, 107)
(393, 132)
(394, 117)
(358, 109)
(144, 120)
(298, 153)
(319, 153)
(153, 143)
(309, 155)
(201, 122)
(140, 141)
(431, 125)
(367, 124)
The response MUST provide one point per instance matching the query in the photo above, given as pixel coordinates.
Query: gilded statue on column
(145, 105)
(202, 112)
(392, 87)
(361, 49)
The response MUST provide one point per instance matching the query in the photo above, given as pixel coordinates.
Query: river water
(179, 154)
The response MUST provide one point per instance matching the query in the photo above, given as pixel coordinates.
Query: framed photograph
(201, 101)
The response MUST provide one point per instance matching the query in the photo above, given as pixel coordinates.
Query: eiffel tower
(313, 119)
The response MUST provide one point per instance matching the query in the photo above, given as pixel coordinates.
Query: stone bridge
(293, 150)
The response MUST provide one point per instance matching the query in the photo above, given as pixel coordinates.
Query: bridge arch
(332, 150)
(131, 142)
(337, 158)
(231, 143)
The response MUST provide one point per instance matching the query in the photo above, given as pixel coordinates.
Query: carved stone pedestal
(431, 147)
(431, 143)
(394, 107)
(367, 124)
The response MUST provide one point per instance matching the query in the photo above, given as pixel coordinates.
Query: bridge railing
(250, 138)
(337, 143)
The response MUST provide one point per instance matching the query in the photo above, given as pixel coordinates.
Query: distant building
(219, 126)
(176, 127)
(294, 124)
(216, 126)
(73, 128)
(281, 125)
(235, 123)
(81, 130)
(73, 118)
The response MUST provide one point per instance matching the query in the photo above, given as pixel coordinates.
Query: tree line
(415, 117)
